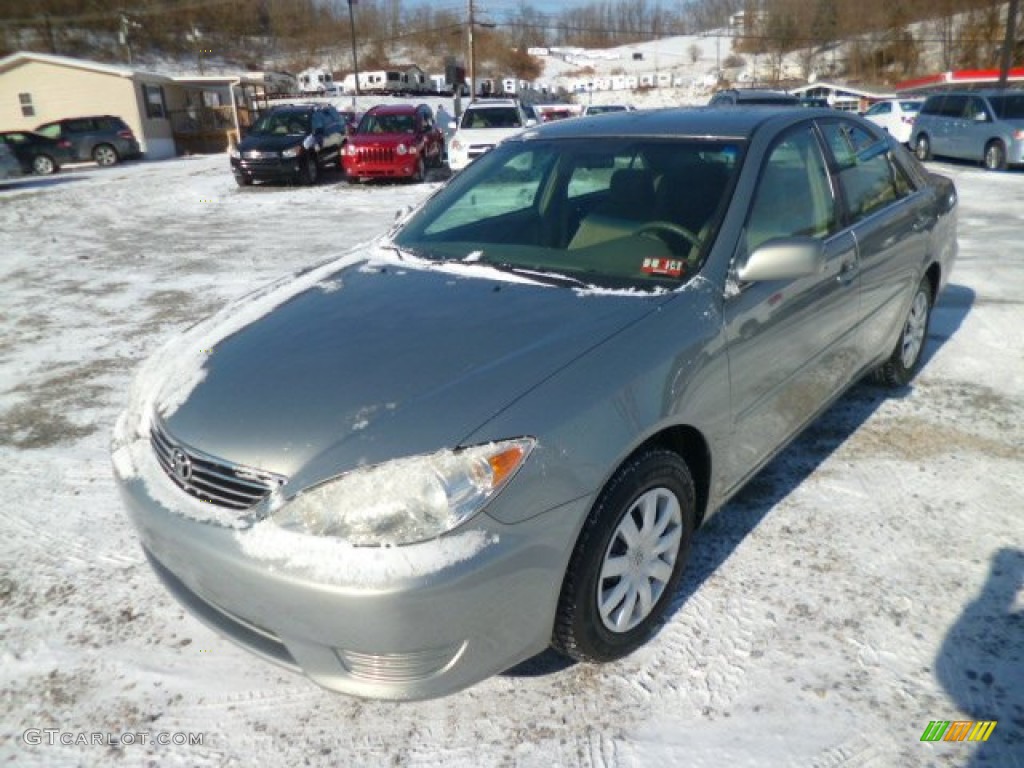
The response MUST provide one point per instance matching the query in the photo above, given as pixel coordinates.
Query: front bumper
(405, 168)
(267, 169)
(410, 636)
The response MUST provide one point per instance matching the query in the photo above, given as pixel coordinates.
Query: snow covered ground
(869, 581)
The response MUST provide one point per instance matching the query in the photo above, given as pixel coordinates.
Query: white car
(896, 116)
(483, 126)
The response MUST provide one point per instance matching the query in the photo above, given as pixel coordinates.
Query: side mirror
(784, 258)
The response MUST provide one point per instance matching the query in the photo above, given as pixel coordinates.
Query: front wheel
(923, 148)
(995, 156)
(43, 165)
(905, 359)
(105, 155)
(628, 559)
(310, 169)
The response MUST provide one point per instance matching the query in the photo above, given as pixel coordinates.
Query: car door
(791, 343)
(951, 124)
(976, 130)
(890, 220)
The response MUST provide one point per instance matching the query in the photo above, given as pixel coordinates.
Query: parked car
(753, 97)
(483, 125)
(895, 115)
(394, 141)
(986, 126)
(290, 143)
(37, 153)
(498, 427)
(10, 168)
(600, 109)
(105, 139)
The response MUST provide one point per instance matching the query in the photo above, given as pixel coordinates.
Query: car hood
(377, 362)
(485, 135)
(387, 139)
(269, 142)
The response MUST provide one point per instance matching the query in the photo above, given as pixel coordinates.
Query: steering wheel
(654, 227)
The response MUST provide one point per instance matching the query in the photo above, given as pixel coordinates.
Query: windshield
(492, 117)
(372, 123)
(1009, 106)
(282, 124)
(619, 212)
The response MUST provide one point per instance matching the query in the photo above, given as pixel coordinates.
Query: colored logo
(958, 730)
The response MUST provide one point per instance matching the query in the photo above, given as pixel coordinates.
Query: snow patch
(329, 560)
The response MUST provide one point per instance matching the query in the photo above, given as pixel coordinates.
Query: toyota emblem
(181, 465)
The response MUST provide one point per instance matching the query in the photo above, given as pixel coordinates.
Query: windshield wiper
(553, 278)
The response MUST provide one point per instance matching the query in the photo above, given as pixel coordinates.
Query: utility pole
(355, 59)
(472, 54)
(1009, 43)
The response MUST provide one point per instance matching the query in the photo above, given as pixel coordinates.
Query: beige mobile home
(36, 88)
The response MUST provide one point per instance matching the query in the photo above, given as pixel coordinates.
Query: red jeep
(394, 141)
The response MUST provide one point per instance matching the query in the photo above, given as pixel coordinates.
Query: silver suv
(985, 126)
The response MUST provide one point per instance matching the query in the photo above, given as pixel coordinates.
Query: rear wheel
(995, 156)
(923, 148)
(905, 359)
(44, 165)
(104, 154)
(628, 560)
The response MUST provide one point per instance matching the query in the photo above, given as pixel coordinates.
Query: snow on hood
(370, 357)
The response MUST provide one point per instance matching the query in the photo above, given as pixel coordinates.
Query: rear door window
(868, 177)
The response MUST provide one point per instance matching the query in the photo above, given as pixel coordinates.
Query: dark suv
(103, 138)
(290, 143)
(750, 97)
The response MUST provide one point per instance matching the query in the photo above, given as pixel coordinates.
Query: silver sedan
(497, 428)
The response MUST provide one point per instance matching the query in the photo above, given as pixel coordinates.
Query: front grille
(399, 667)
(210, 479)
(376, 155)
(475, 150)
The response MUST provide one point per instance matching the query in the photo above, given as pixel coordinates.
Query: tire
(243, 181)
(905, 359)
(923, 148)
(310, 169)
(105, 155)
(44, 165)
(421, 171)
(618, 584)
(995, 156)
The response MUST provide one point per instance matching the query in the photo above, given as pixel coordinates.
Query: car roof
(740, 122)
(394, 109)
(492, 103)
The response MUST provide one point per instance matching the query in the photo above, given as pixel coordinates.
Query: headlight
(406, 500)
(401, 149)
(233, 152)
(292, 151)
(350, 149)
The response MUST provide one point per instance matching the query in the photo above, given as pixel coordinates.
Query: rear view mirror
(785, 258)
